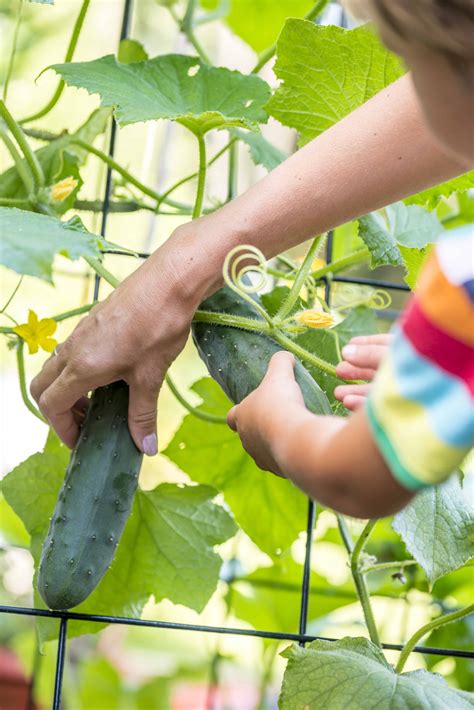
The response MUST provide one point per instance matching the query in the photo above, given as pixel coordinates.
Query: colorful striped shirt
(421, 407)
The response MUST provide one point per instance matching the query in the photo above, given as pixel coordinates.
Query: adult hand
(133, 335)
(362, 357)
(256, 419)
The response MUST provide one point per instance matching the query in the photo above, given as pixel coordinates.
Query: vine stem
(13, 51)
(12, 295)
(304, 354)
(100, 269)
(340, 264)
(199, 413)
(30, 156)
(254, 324)
(298, 283)
(430, 626)
(60, 317)
(187, 27)
(20, 359)
(354, 552)
(389, 565)
(266, 55)
(22, 168)
(14, 202)
(201, 177)
(69, 55)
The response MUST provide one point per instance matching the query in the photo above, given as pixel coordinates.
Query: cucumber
(94, 502)
(238, 359)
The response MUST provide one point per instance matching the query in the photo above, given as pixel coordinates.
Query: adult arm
(380, 153)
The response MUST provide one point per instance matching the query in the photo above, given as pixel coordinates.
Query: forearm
(335, 461)
(380, 153)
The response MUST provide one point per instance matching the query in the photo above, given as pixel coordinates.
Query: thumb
(281, 365)
(142, 413)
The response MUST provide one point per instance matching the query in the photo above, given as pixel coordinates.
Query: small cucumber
(94, 502)
(238, 359)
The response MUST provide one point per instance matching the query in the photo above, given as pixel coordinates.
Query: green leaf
(327, 72)
(174, 87)
(30, 241)
(59, 159)
(353, 673)
(258, 22)
(131, 51)
(269, 509)
(431, 197)
(359, 321)
(261, 151)
(438, 528)
(166, 550)
(400, 239)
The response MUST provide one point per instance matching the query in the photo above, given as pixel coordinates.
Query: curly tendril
(235, 272)
(351, 295)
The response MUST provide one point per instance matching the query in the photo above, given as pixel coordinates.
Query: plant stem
(266, 55)
(30, 156)
(14, 202)
(12, 295)
(13, 52)
(20, 164)
(390, 565)
(201, 177)
(253, 324)
(340, 264)
(304, 354)
(187, 27)
(75, 312)
(118, 168)
(430, 626)
(100, 269)
(20, 359)
(358, 576)
(232, 173)
(42, 135)
(121, 206)
(298, 283)
(69, 55)
(199, 413)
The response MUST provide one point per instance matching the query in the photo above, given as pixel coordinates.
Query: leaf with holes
(269, 509)
(353, 673)
(326, 73)
(173, 87)
(29, 241)
(438, 528)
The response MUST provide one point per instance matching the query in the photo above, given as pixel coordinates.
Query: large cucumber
(238, 359)
(94, 502)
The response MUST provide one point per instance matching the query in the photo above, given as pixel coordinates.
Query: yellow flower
(315, 319)
(63, 188)
(317, 264)
(36, 333)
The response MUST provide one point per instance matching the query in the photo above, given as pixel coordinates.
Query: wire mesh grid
(301, 637)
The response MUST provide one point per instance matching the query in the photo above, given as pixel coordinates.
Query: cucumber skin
(94, 503)
(238, 359)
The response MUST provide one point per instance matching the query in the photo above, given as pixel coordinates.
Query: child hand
(260, 416)
(362, 357)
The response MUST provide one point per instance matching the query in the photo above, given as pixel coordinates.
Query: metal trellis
(301, 637)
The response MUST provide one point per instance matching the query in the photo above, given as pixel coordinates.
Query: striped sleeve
(421, 407)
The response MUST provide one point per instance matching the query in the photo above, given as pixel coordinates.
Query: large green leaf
(166, 549)
(258, 22)
(269, 509)
(30, 241)
(430, 198)
(438, 528)
(327, 72)
(59, 159)
(401, 237)
(353, 673)
(174, 87)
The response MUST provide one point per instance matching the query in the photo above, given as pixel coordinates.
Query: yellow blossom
(313, 318)
(37, 333)
(317, 264)
(63, 188)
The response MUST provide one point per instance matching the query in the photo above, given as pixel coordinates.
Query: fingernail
(349, 350)
(150, 445)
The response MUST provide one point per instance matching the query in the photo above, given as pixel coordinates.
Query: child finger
(366, 356)
(347, 371)
(353, 402)
(343, 391)
(377, 339)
